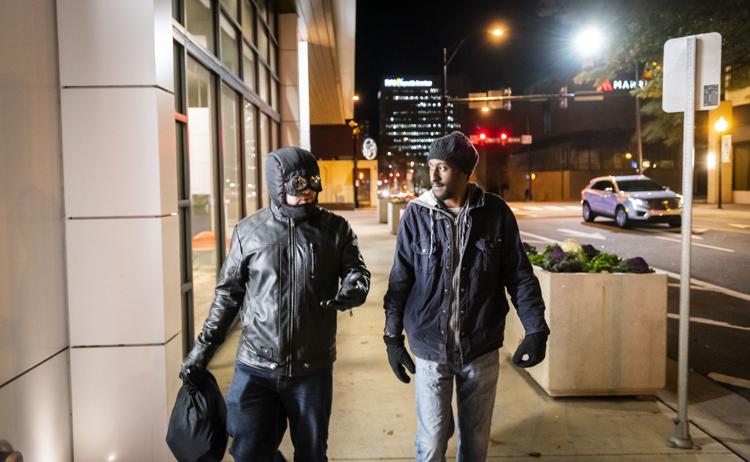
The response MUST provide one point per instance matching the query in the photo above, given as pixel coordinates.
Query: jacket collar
(474, 197)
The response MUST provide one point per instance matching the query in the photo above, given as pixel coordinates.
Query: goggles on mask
(299, 183)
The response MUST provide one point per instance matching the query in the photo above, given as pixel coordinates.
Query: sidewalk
(373, 413)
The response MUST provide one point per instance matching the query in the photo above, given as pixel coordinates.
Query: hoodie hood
(281, 166)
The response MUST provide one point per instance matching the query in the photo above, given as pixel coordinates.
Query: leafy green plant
(575, 258)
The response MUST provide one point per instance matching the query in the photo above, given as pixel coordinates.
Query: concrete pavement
(373, 413)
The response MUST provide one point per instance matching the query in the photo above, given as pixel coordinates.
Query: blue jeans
(476, 383)
(260, 403)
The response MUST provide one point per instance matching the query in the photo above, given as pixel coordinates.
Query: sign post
(690, 63)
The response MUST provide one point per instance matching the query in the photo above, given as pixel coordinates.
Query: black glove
(533, 345)
(398, 357)
(195, 363)
(353, 292)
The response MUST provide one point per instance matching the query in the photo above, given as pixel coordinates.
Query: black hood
(281, 166)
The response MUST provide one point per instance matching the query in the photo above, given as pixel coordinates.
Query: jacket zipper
(291, 295)
(313, 261)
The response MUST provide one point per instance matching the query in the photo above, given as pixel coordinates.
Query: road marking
(554, 207)
(704, 284)
(729, 380)
(514, 210)
(539, 238)
(573, 232)
(573, 207)
(737, 225)
(697, 244)
(709, 322)
(532, 207)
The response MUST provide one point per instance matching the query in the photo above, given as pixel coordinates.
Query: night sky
(401, 38)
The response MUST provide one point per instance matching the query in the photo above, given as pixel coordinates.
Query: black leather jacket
(276, 274)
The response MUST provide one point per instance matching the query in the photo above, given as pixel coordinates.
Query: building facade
(134, 138)
(411, 117)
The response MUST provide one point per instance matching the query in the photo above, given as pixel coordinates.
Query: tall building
(137, 140)
(411, 118)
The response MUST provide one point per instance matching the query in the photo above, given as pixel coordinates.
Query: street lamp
(354, 125)
(495, 33)
(720, 126)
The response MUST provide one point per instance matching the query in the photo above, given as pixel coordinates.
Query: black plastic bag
(198, 426)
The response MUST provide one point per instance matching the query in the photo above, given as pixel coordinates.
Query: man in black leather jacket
(282, 275)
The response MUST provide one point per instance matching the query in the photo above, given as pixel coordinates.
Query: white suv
(629, 199)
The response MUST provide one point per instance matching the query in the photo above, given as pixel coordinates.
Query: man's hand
(195, 364)
(352, 293)
(534, 346)
(398, 357)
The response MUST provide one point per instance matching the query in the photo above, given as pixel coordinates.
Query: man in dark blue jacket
(458, 249)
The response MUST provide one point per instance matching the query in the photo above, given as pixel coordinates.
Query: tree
(637, 30)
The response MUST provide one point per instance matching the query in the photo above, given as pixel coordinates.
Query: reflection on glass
(263, 83)
(229, 45)
(274, 136)
(199, 22)
(272, 21)
(247, 21)
(263, 148)
(272, 57)
(262, 8)
(262, 41)
(231, 7)
(248, 66)
(231, 159)
(274, 97)
(251, 171)
(201, 145)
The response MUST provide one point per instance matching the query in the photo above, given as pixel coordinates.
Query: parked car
(630, 199)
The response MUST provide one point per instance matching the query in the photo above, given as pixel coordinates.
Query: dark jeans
(259, 405)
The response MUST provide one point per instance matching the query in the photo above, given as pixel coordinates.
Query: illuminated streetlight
(720, 126)
(497, 32)
(589, 41)
(355, 98)
(628, 156)
(485, 109)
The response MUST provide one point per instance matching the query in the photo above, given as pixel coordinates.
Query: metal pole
(718, 164)
(445, 91)
(354, 174)
(681, 436)
(638, 125)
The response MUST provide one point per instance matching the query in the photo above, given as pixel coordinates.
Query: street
(720, 300)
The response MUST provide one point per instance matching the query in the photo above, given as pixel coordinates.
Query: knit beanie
(455, 149)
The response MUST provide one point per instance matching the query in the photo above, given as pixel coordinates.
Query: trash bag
(198, 425)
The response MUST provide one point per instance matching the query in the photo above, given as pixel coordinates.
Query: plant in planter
(572, 257)
(608, 319)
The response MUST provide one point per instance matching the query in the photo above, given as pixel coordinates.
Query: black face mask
(285, 171)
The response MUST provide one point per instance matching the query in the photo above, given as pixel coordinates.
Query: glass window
(200, 22)
(272, 57)
(251, 159)
(274, 93)
(178, 71)
(230, 6)
(275, 136)
(230, 132)
(248, 66)
(263, 148)
(263, 83)
(741, 166)
(272, 21)
(262, 9)
(262, 41)
(229, 54)
(177, 10)
(202, 148)
(248, 21)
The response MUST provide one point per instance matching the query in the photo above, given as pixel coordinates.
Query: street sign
(369, 149)
(726, 149)
(479, 105)
(707, 73)
(525, 139)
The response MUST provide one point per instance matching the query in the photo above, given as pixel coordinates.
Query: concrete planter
(394, 216)
(382, 209)
(609, 333)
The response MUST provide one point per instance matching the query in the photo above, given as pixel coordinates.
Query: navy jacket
(419, 286)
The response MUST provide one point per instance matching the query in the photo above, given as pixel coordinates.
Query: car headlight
(639, 202)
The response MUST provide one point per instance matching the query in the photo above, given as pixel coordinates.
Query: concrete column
(122, 231)
(295, 95)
